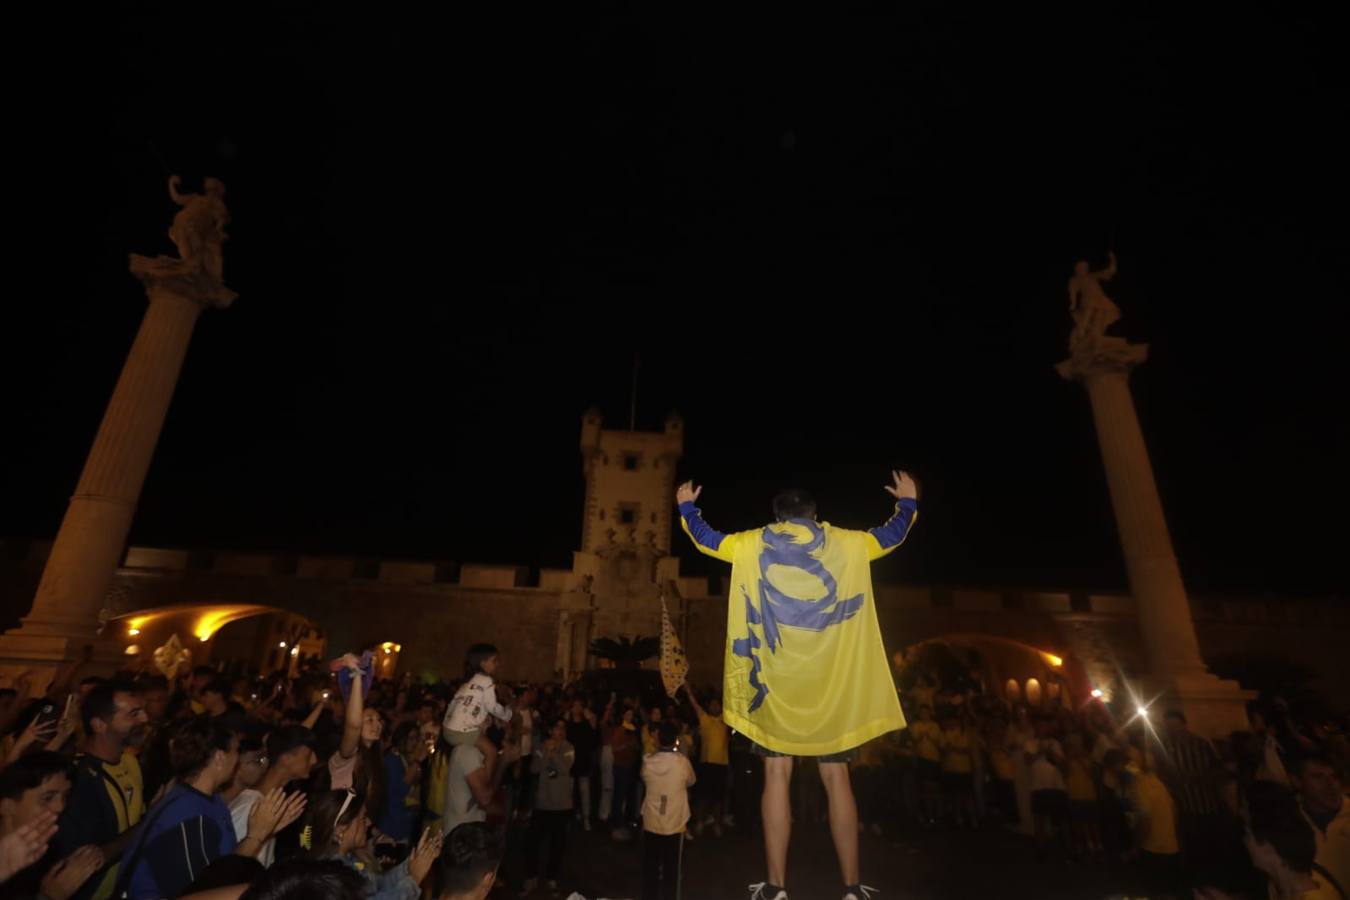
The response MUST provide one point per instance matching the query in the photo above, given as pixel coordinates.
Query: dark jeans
(546, 825)
(661, 865)
(623, 809)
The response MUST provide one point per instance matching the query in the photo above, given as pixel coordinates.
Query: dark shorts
(1051, 804)
(844, 756)
(929, 769)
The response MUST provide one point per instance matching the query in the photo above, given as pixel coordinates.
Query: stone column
(88, 548)
(1177, 670)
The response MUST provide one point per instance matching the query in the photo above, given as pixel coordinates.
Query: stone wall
(437, 609)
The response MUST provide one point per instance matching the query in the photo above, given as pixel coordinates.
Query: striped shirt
(1192, 763)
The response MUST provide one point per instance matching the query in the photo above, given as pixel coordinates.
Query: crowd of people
(218, 784)
(1259, 813)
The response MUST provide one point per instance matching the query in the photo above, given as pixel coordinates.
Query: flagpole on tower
(632, 406)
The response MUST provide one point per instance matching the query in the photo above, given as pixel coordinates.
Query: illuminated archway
(265, 638)
(1006, 664)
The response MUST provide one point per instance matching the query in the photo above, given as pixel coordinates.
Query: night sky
(836, 246)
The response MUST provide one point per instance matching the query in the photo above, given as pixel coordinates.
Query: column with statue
(1102, 363)
(65, 615)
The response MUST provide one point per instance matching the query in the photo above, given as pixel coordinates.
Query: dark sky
(836, 245)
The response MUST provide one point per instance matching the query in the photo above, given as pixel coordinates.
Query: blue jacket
(181, 836)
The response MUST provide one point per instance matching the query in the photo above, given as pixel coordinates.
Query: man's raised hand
(687, 493)
(904, 486)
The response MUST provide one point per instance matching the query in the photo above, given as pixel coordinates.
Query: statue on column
(1093, 312)
(198, 229)
(1091, 349)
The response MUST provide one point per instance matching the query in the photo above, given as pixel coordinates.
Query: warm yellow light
(1097, 692)
(1054, 660)
(387, 650)
(132, 650)
(282, 645)
(133, 631)
(387, 644)
(398, 648)
(295, 651)
(217, 617)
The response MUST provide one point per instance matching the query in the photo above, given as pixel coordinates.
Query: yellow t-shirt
(1155, 803)
(436, 773)
(712, 735)
(956, 756)
(926, 737)
(651, 739)
(1078, 780)
(128, 799)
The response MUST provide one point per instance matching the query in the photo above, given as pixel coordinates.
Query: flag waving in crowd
(674, 664)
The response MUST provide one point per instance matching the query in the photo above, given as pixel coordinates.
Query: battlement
(148, 561)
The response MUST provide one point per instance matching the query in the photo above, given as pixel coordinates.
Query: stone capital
(181, 278)
(1103, 356)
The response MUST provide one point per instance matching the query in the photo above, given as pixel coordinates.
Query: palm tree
(626, 653)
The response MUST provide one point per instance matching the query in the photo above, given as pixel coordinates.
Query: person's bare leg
(776, 810)
(843, 818)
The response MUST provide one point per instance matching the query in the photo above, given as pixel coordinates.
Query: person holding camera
(551, 764)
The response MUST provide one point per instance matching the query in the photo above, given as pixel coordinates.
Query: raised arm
(694, 700)
(351, 725)
(313, 718)
(891, 535)
(707, 539)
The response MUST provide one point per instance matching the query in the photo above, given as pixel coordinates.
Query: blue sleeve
(396, 884)
(893, 533)
(705, 536)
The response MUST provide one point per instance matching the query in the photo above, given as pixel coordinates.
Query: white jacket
(668, 776)
(472, 704)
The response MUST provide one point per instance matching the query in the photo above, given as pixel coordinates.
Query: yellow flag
(806, 672)
(674, 664)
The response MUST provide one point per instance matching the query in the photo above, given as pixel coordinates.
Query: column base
(42, 652)
(1213, 706)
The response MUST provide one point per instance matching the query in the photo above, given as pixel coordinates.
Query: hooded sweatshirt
(668, 776)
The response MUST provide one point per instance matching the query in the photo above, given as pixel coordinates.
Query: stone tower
(624, 565)
(630, 483)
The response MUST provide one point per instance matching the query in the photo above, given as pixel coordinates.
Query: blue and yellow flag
(806, 673)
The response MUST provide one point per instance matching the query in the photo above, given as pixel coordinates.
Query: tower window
(630, 462)
(628, 514)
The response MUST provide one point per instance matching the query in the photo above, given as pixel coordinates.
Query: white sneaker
(761, 892)
(867, 893)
